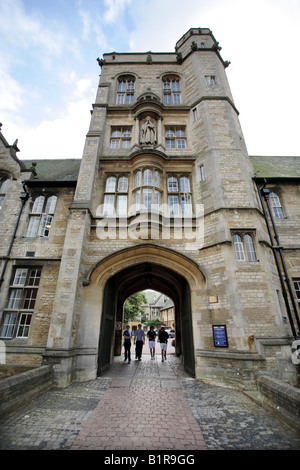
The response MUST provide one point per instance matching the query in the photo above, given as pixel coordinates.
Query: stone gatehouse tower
(165, 197)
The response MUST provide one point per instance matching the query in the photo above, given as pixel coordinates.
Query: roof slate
(55, 170)
(276, 167)
(68, 169)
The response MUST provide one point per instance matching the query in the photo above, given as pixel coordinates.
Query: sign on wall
(220, 336)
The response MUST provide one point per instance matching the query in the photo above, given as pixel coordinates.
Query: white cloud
(63, 137)
(28, 30)
(259, 37)
(115, 7)
(86, 22)
(11, 93)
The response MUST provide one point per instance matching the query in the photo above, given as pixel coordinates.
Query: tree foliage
(133, 306)
(153, 322)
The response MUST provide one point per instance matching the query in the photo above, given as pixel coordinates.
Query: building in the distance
(167, 198)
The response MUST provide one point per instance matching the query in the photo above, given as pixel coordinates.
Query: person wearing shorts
(163, 339)
(151, 336)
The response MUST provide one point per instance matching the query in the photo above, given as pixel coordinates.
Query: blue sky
(49, 72)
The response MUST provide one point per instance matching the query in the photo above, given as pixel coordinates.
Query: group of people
(139, 341)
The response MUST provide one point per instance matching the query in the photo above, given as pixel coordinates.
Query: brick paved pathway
(145, 405)
(144, 409)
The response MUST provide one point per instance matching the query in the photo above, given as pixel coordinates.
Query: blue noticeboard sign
(220, 336)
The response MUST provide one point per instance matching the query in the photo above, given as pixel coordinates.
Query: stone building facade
(167, 198)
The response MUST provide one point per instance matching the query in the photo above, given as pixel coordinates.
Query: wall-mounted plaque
(220, 336)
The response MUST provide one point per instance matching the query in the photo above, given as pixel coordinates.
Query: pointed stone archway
(129, 271)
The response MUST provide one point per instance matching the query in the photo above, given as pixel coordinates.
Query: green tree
(153, 323)
(133, 307)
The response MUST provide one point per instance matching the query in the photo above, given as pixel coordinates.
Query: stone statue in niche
(148, 132)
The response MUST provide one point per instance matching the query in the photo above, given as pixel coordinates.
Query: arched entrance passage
(137, 278)
(147, 266)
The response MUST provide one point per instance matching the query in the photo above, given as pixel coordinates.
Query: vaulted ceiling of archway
(148, 276)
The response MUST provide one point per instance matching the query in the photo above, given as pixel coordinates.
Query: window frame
(21, 301)
(116, 192)
(296, 284)
(179, 194)
(125, 90)
(41, 216)
(171, 90)
(5, 182)
(244, 246)
(276, 205)
(175, 137)
(120, 137)
(210, 80)
(147, 191)
(202, 176)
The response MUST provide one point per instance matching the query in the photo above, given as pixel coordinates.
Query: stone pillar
(62, 339)
(61, 346)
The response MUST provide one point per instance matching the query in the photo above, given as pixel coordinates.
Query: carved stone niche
(149, 128)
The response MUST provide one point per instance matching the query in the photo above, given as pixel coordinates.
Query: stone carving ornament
(148, 132)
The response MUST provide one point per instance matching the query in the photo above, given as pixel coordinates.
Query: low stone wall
(280, 398)
(18, 390)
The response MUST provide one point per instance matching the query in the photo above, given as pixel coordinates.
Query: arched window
(185, 184)
(125, 90)
(147, 193)
(4, 185)
(244, 247)
(110, 186)
(147, 177)
(276, 204)
(123, 184)
(172, 184)
(41, 216)
(250, 247)
(115, 197)
(171, 90)
(239, 247)
(179, 196)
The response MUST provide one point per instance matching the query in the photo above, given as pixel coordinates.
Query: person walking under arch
(139, 341)
(163, 339)
(151, 337)
(127, 344)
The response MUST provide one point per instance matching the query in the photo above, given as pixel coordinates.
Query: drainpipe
(24, 197)
(275, 249)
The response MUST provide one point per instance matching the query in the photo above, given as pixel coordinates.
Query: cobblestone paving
(229, 420)
(225, 418)
(54, 420)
